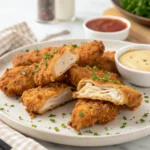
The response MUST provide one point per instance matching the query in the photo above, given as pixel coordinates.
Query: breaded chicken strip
(41, 99)
(107, 62)
(89, 52)
(88, 112)
(108, 91)
(55, 64)
(33, 56)
(16, 80)
(76, 73)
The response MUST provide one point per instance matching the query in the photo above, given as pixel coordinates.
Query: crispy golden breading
(76, 73)
(107, 62)
(88, 112)
(41, 99)
(33, 56)
(55, 64)
(108, 91)
(89, 52)
(16, 80)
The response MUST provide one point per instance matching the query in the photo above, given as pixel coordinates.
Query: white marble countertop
(12, 12)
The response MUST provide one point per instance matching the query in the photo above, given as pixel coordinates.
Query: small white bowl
(139, 78)
(118, 35)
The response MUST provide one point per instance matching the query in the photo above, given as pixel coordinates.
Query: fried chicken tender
(89, 52)
(107, 62)
(55, 64)
(76, 73)
(33, 56)
(88, 112)
(108, 91)
(16, 80)
(41, 99)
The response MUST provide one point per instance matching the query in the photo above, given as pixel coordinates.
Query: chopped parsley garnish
(63, 115)
(117, 133)
(90, 107)
(20, 118)
(63, 125)
(81, 114)
(23, 72)
(49, 127)
(124, 117)
(36, 50)
(74, 45)
(56, 129)
(39, 120)
(106, 128)
(95, 68)
(52, 120)
(37, 68)
(52, 115)
(47, 56)
(65, 44)
(136, 122)
(12, 105)
(146, 97)
(27, 50)
(34, 126)
(6, 104)
(95, 133)
(45, 63)
(1, 108)
(147, 101)
(79, 133)
(142, 120)
(107, 133)
(144, 60)
(123, 125)
(89, 131)
(145, 115)
(88, 67)
(37, 54)
(54, 51)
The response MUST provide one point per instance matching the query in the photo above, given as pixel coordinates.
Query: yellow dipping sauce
(136, 59)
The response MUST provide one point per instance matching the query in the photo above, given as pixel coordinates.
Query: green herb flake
(95, 68)
(65, 44)
(56, 129)
(20, 118)
(39, 120)
(6, 104)
(12, 105)
(88, 67)
(54, 52)
(145, 114)
(74, 45)
(63, 125)
(34, 126)
(27, 50)
(123, 125)
(136, 122)
(23, 72)
(95, 134)
(49, 127)
(37, 68)
(144, 60)
(47, 56)
(90, 107)
(63, 115)
(117, 132)
(81, 114)
(146, 97)
(107, 133)
(79, 133)
(45, 63)
(146, 101)
(52, 115)
(52, 120)
(89, 131)
(1, 108)
(106, 128)
(124, 118)
(142, 120)
(36, 50)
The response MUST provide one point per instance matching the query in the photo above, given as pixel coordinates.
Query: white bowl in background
(140, 78)
(118, 35)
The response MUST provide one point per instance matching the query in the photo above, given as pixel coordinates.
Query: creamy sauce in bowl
(136, 59)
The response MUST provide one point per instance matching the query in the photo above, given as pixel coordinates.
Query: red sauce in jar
(106, 25)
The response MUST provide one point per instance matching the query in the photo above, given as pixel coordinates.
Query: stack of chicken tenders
(50, 77)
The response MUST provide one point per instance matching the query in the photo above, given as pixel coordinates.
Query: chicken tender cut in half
(16, 80)
(33, 56)
(108, 91)
(89, 52)
(107, 62)
(41, 99)
(76, 73)
(88, 112)
(55, 64)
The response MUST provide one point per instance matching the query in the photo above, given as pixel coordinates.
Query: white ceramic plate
(111, 133)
